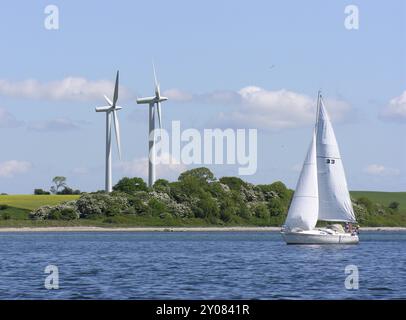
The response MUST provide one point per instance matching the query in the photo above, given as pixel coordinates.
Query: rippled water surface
(198, 265)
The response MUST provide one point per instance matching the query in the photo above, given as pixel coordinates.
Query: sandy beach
(170, 229)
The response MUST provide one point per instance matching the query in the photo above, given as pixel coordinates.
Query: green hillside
(384, 198)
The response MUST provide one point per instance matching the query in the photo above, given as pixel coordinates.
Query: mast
(318, 108)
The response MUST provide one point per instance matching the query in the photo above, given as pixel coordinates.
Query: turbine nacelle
(151, 100)
(162, 99)
(108, 108)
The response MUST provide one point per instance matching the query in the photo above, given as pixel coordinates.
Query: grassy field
(19, 206)
(384, 198)
(32, 202)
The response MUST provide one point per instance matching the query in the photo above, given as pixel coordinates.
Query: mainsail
(304, 207)
(334, 199)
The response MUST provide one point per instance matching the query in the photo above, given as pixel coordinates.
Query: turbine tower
(111, 110)
(154, 107)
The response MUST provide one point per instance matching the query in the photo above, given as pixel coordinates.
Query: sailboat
(321, 193)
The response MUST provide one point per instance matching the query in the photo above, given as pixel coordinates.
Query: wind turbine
(154, 107)
(110, 110)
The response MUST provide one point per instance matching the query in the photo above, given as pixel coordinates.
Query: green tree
(41, 192)
(202, 174)
(162, 185)
(206, 207)
(233, 183)
(277, 187)
(130, 185)
(275, 207)
(156, 207)
(261, 211)
(228, 209)
(67, 190)
(59, 182)
(190, 185)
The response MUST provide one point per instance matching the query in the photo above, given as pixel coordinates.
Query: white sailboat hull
(319, 236)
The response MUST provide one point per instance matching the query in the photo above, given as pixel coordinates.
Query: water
(198, 265)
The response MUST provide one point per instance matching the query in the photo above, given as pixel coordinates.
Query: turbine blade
(159, 117)
(108, 100)
(157, 90)
(117, 131)
(116, 90)
(153, 68)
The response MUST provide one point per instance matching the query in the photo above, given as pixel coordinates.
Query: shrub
(156, 207)
(139, 203)
(5, 216)
(394, 205)
(233, 183)
(91, 204)
(69, 213)
(4, 206)
(261, 211)
(162, 185)
(41, 192)
(101, 204)
(41, 213)
(243, 212)
(63, 211)
(228, 209)
(165, 215)
(276, 190)
(206, 207)
(275, 207)
(130, 185)
(367, 204)
(54, 214)
(203, 175)
(67, 190)
(227, 214)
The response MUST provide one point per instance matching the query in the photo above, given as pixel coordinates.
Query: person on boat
(347, 227)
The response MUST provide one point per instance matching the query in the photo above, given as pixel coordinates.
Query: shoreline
(169, 229)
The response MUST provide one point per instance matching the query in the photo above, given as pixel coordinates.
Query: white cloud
(67, 89)
(59, 124)
(13, 167)
(7, 120)
(139, 167)
(256, 107)
(380, 170)
(396, 109)
(178, 95)
(215, 97)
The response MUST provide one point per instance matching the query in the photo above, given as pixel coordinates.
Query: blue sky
(202, 49)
